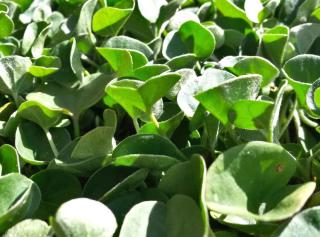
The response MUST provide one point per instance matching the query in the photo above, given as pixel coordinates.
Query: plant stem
(51, 142)
(136, 125)
(299, 131)
(306, 120)
(154, 120)
(76, 128)
(275, 113)
(89, 61)
(289, 119)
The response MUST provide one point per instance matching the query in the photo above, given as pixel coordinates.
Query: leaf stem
(300, 133)
(51, 142)
(274, 123)
(289, 119)
(136, 125)
(154, 120)
(76, 128)
(89, 61)
(306, 120)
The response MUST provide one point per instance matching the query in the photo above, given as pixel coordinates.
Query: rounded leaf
(29, 228)
(84, 217)
(250, 181)
(20, 197)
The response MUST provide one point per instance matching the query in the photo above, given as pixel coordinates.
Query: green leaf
(137, 97)
(302, 71)
(220, 99)
(151, 144)
(274, 42)
(119, 185)
(167, 125)
(250, 181)
(304, 11)
(123, 61)
(83, 30)
(194, 85)
(144, 219)
(305, 223)
(187, 178)
(33, 145)
(7, 25)
(44, 66)
(20, 197)
(191, 37)
(303, 36)
(251, 114)
(125, 42)
(203, 40)
(116, 18)
(242, 65)
(232, 16)
(9, 159)
(29, 228)
(148, 71)
(75, 62)
(150, 9)
(56, 188)
(75, 99)
(29, 36)
(96, 143)
(253, 9)
(147, 161)
(12, 72)
(161, 220)
(113, 180)
(92, 219)
(39, 114)
(313, 97)
(38, 44)
(7, 49)
(183, 61)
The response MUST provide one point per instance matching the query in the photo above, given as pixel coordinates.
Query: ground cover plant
(159, 118)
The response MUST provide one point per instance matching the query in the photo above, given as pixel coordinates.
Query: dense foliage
(155, 118)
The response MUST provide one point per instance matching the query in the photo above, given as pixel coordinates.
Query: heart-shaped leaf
(243, 65)
(137, 97)
(266, 197)
(194, 85)
(116, 57)
(191, 37)
(220, 99)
